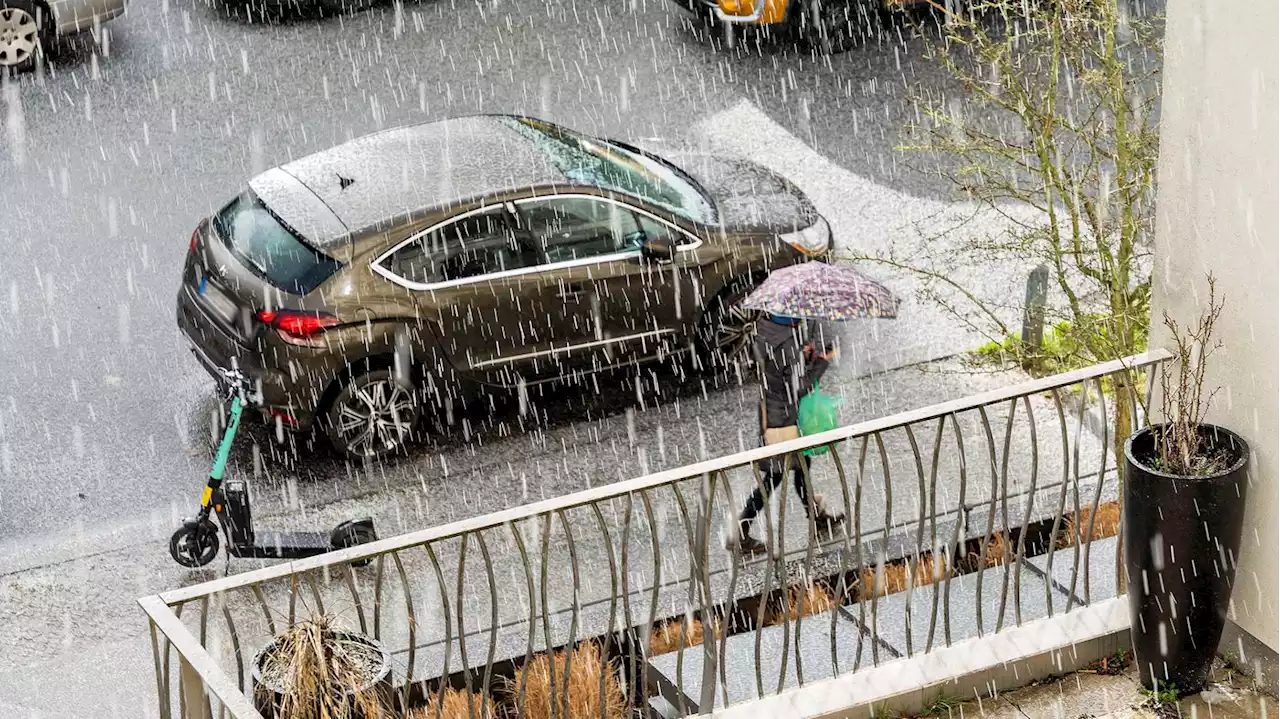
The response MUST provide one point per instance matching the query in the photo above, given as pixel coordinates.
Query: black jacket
(785, 375)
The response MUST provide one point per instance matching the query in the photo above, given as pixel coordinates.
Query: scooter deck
(285, 545)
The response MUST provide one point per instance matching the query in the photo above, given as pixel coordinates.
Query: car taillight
(300, 325)
(195, 235)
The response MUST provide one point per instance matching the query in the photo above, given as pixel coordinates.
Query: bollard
(1033, 313)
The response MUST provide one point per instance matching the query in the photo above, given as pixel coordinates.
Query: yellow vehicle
(832, 25)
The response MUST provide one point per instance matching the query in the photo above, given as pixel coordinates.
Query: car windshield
(613, 167)
(257, 238)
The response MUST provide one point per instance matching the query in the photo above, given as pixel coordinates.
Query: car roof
(375, 178)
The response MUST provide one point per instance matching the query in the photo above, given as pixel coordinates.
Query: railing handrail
(216, 683)
(657, 479)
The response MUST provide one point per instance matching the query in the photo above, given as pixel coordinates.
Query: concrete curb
(975, 668)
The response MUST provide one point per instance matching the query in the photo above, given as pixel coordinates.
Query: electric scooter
(195, 543)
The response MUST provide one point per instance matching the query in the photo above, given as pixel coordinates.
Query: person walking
(790, 365)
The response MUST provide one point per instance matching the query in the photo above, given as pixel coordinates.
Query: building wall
(1217, 211)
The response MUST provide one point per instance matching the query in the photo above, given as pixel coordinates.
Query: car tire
(372, 416)
(726, 331)
(23, 34)
(829, 27)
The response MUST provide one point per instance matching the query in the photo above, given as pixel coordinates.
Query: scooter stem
(224, 448)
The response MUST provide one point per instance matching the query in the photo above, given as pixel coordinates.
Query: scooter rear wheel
(193, 546)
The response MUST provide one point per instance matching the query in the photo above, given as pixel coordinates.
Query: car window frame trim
(509, 206)
(566, 349)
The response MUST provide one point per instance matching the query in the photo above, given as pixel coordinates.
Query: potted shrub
(313, 670)
(591, 691)
(455, 704)
(1184, 494)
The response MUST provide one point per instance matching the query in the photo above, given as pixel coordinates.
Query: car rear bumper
(217, 351)
(707, 8)
(70, 16)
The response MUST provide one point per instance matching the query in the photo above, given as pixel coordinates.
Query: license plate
(224, 307)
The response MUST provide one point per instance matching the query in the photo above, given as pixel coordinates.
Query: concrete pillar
(1217, 211)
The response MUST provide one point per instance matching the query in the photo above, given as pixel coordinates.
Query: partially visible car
(829, 25)
(28, 27)
(413, 270)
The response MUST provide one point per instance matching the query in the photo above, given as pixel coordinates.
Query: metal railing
(945, 506)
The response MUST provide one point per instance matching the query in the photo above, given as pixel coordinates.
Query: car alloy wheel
(372, 416)
(728, 331)
(19, 35)
(735, 331)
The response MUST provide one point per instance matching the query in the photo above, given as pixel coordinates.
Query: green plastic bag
(817, 413)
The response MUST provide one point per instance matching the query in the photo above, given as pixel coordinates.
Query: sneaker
(746, 545)
(823, 517)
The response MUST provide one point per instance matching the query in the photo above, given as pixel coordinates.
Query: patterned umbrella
(821, 291)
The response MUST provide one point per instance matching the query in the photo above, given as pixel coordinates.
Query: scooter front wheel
(193, 546)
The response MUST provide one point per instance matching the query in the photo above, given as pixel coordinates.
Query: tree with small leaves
(1067, 92)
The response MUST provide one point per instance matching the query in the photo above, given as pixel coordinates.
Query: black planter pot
(267, 698)
(1181, 543)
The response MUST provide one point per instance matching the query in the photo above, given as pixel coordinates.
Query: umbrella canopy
(821, 291)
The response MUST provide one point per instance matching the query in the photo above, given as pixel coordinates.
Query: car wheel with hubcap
(20, 35)
(727, 330)
(372, 416)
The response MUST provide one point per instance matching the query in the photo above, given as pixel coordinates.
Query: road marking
(873, 219)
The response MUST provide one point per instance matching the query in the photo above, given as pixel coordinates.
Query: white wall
(1217, 211)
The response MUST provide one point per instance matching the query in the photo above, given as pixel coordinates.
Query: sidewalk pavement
(1089, 694)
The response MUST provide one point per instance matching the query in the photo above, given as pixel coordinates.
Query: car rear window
(260, 240)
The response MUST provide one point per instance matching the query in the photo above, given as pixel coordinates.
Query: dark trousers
(772, 475)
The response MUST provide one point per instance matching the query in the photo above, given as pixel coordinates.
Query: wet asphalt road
(113, 153)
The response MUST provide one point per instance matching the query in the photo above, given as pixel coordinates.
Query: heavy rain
(462, 336)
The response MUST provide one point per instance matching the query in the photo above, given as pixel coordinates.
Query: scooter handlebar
(238, 383)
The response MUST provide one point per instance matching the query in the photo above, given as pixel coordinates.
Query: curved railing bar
(688, 533)
(1006, 561)
(1026, 515)
(914, 564)
(955, 542)
(448, 622)
(647, 505)
(984, 546)
(843, 592)
(1075, 493)
(533, 603)
(933, 532)
(1097, 490)
(574, 619)
(613, 595)
(857, 553)
(888, 520)
(1062, 500)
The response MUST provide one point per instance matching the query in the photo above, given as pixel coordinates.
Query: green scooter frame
(196, 542)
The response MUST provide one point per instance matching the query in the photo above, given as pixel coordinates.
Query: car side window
(473, 246)
(654, 230)
(575, 228)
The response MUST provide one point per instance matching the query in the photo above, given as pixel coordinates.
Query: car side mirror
(659, 249)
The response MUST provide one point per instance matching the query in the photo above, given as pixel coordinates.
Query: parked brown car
(411, 270)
